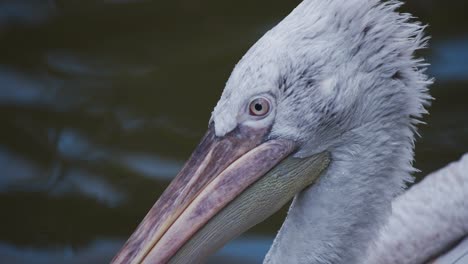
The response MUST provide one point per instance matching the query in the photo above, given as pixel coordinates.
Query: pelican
(322, 109)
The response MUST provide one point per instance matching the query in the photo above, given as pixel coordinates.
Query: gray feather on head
(332, 66)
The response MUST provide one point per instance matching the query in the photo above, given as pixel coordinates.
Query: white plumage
(427, 220)
(347, 82)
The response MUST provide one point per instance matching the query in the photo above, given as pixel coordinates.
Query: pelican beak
(226, 187)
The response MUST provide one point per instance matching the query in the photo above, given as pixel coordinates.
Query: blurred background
(101, 101)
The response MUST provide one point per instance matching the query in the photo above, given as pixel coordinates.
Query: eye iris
(259, 107)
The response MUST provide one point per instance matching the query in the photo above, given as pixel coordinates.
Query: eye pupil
(258, 107)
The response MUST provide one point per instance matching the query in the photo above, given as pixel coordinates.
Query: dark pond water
(101, 101)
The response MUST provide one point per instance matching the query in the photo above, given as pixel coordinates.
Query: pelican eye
(259, 107)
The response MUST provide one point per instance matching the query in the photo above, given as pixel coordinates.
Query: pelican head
(336, 83)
